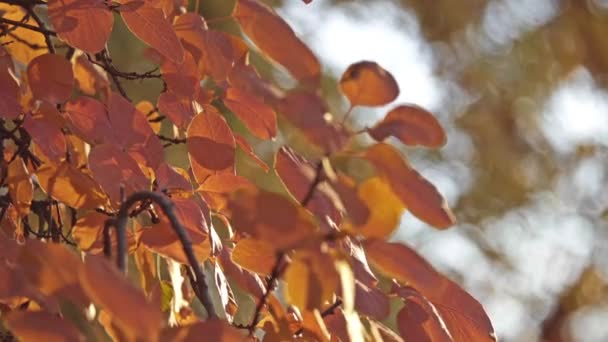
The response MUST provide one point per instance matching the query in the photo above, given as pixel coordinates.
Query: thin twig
(30, 27)
(277, 271)
(46, 33)
(167, 207)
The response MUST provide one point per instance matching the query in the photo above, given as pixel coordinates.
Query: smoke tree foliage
(90, 197)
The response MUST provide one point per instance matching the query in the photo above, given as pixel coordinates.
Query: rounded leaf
(368, 84)
(412, 125)
(50, 78)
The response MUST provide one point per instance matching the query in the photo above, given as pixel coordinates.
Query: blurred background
(521, 88)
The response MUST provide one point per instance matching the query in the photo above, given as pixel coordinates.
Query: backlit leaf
(418, 320)
(368, 84)
(150, 25)
(51, 78)
(46, 133)
(182, 78)
(255, 255)
(271, 217)
(114, 293)
(211, 145)
(416, 193)
(412, 125)
(89, 78)
(213, 330)
(311, 280)
(70, 185)
(114, 169)
(22, 52)
(217, 188)
(89, 119)
(246, 280)
(297, 174)
(41, 326)
(20, 186)
(259, 118)
(178, 109)
(370, 301)
(277, 40)
(84, 24)
(385, 209)
(463, 315)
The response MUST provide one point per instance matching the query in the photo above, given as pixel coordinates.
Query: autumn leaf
(255, 114)
(114, 293)
(84, 24)
(20, 186)
(9, 102)
(22, 52)
(277, 40)
(149, 24)
(211, 145)
(51, 78)
(462, 314)
(412, 125)
(416, 193)
(255, 255)
(368, 84)
(42, 325)
(216, 189)
(70, 185)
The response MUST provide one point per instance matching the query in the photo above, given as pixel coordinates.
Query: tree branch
(167, 207)
(46, 33)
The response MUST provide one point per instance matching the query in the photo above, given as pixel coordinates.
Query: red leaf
(255, 114)
(418, 195)
(212, 330)
(463, 315)
(297, 174)
(217, 188)
(150, 25)
(367, 84)
(89, 120)
(178, 109)
(114, 293)
(9, 101)
(51, 78)
(412, 125)
(182, 78)
(307, 111)
(277, 40)
(211, 145)
(418, 320)
(114, 169)
(84, 24)
(132, 131)
(41, 326)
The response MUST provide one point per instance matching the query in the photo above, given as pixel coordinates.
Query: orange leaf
(246, 147)
(420, 196)
(20, 186)
(308, 112)
(255, 114)
(217, 188)
(255, 255)
(87, 231)
(125, 303)
(182, 78)
(41, 326)
(370, 301)
(311, 279)
(270, 217)
(84, 24)
(212, 330)
(70, 185)
(114, 169)
(297, 174)
(418, 320)
(211, 145)
(161, 237)
(51, 78)
(150, 25)
(367, 84)
(89, 79)
(21, 52)
(46, 134)
(178, 109)
(89, 120)
(246, 280)
(277, 40)
(132, 131)
(412, 125)
(462, 314)
(172, 179)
